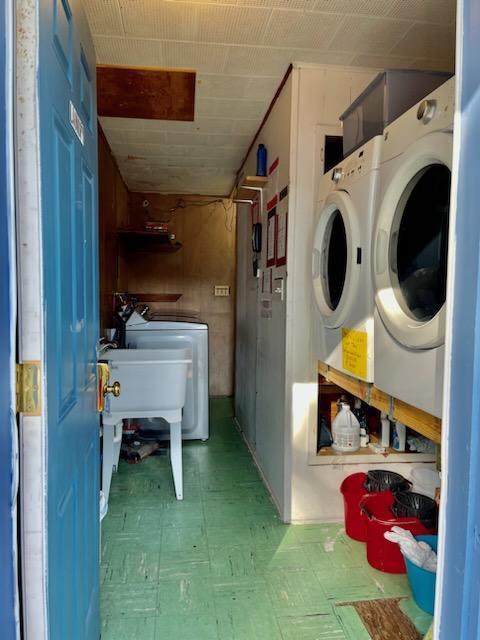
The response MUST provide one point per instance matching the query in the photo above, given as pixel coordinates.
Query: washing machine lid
(336, 258)
(411, 244)
(164, 322)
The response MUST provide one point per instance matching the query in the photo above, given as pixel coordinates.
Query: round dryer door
(335, 268)
(411, 245)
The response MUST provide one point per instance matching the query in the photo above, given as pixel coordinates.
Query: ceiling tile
(437, 11)
(231, 25)
(241, 49)
(168, 125)
(221, 86)
(145, 137)
(129, 51)
(382, 62)
(207, 139)
(177, 161)
(206, 58)
(262, 88)
(369, 35)
(114, 136)
(221, 108)
(104, 17)
(427, 41)
(299, 29)
(280, 4)
(361, 7)
(246, 127)
(257, 61)
(320, 57)
(122, 123)
(160, 19)
(200, 125)
(447, 64)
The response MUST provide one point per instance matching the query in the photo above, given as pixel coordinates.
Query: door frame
(33, 480)
(458, 585)
(9, 611)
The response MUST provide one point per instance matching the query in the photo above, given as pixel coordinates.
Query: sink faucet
(104, 345)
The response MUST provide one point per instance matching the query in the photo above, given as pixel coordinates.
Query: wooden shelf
(143, 240)
(418, 420)
(155, 297)
(247, 188)
(327, 455)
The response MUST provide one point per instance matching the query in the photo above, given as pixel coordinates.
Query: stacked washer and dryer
(379, 262)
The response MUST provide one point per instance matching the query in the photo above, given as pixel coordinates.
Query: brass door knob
(115, 389)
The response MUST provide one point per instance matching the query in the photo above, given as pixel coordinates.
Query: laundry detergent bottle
(345, 431)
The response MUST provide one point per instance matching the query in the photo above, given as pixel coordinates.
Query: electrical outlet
(222, 290)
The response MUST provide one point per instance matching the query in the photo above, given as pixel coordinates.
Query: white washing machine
(169, 331)
(410, 251)
(341, 259)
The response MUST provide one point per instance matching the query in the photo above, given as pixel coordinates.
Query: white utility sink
(153, 385)
(151, 379)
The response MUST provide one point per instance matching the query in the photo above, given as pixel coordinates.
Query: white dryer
(343, 327)
(157, 331)
(410, 251)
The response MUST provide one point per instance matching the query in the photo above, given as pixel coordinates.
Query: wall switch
(222, 290)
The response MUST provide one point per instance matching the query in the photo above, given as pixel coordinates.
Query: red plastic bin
(381, 553)
(353, 491)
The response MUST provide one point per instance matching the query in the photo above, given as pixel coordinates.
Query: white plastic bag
(418, 552)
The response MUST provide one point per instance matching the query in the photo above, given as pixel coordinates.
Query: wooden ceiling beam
(145, 92)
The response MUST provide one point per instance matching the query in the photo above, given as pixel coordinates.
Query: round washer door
(411, 244)
(335, 271)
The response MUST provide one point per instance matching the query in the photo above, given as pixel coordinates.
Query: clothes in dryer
(342, 285)
(410, 251)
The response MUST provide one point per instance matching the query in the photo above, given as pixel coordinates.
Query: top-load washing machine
(157, 331)
(342, 284)
(410, 251)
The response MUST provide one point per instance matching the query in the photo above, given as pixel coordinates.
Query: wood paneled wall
(206, 230)
(113, 213)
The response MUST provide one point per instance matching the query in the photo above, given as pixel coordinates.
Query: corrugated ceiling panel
(104, 17)
(297, 29)
(369, 35)
(129, 51)
(437, 11)
(361, 7)
(231, 25)
(240, 50)
(207, 58)
(426, 40)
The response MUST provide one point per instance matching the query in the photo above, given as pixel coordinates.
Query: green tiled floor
(221, 565)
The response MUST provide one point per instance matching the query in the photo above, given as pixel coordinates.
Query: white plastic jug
(345, 431)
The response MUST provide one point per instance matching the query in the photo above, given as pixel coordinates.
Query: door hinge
(29, 388)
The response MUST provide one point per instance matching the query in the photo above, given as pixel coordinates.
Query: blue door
(7, 567)
(68, 154)
(459, 582)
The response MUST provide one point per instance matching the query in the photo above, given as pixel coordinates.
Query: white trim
(259, 468)
(10, 108)
(449, 430)
(30, 323)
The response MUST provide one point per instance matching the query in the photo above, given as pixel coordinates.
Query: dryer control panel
(358, 164)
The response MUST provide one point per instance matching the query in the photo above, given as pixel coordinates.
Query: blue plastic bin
(422, 582)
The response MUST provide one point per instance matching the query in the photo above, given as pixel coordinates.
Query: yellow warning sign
(354, 352)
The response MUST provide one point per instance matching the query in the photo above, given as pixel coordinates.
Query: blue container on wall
(261, 160)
